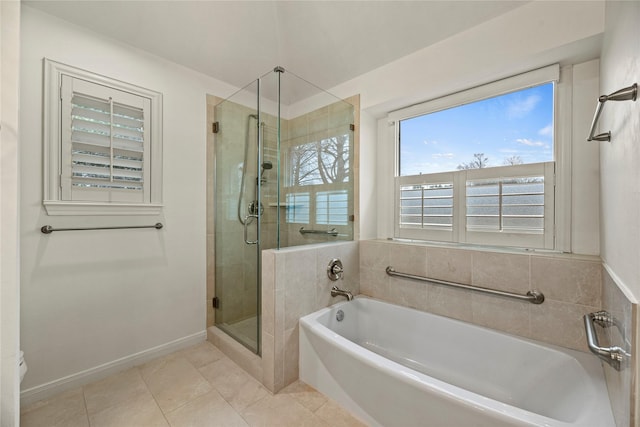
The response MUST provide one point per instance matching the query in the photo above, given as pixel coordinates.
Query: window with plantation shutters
(478, 166)
(105, 138)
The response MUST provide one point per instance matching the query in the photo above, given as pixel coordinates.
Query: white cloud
(523, 107)
(530, 143)
(425, 142)
(547, 130)
(442, 155)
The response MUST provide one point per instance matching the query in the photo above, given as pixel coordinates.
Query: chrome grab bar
(248, 220)
(534, 297)
(625, 94)
(332, 232)
(47, 229)
(615, 356)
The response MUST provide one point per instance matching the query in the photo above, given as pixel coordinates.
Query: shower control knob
(334, 269)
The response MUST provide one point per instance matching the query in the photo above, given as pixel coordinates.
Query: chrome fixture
(339, 292)
(266, 165)
(332, 232)
(534, 297)
(340, 316)
(47, 229)
(247, 221)
(626, 94)
(334, 270)
(615, 356)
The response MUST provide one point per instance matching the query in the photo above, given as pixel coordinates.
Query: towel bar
(47, 229)
(626, 94)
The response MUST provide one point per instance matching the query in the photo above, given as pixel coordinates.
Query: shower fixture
(254, 207)
(266, 165)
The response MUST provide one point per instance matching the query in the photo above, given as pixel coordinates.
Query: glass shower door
(238, 212)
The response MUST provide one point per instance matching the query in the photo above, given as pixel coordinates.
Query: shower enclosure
(282, 176)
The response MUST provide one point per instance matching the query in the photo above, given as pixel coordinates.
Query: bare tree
(480, 161)
(513, 160)
(321, 162)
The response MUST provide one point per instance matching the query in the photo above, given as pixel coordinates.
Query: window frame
(53, 146)
(555, 238)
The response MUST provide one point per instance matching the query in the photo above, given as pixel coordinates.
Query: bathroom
(80, 307)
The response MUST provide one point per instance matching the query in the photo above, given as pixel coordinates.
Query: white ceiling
(324, 42)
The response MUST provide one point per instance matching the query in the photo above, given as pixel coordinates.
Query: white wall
(620, 158)
(9, 220)
(92, 298)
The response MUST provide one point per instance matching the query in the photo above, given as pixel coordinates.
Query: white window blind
(332, 207)
(298, 206)
(507, 206)
(103, 145)
(104, 140)
(427, 205)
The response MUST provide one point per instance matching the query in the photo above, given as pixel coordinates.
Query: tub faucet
(339, 292)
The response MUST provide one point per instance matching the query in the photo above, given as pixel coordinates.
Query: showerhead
(266, 165)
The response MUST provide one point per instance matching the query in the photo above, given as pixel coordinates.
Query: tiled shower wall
(294, 284)
(571, 285)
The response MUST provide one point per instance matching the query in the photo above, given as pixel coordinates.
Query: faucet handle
(335, 270)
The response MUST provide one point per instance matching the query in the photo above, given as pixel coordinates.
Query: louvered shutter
(105, 143)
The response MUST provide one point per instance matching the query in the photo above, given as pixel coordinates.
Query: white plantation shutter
(510, 205)
(332, 207)
(105, 148)
(426, 206)
(502, 206)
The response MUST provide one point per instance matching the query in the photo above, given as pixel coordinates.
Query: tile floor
(198, 387)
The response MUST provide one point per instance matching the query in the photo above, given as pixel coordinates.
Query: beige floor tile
(233, 383)
(139, 411)
(64, 410)
(201, 354)
(280, 411)
(198, 387)
(208, 410)
(305, 395)
(114, 390)
(173, 381)
(336, 416)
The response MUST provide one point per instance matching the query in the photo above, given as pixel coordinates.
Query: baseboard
(87, 376)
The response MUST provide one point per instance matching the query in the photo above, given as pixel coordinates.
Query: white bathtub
(394, 366)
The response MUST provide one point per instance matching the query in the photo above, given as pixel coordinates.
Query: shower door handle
(248, 220)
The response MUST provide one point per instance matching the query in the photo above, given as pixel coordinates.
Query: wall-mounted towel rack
(614, 356)
(534, 297)
(332, 232)
(47, 229)
(626, 94)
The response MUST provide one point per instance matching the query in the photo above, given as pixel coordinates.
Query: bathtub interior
(545, 380)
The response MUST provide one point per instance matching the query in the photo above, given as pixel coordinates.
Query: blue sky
(516, 124)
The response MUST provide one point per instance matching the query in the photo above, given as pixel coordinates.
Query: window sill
(57, 208)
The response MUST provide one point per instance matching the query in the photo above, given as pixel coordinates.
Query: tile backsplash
(571, 285)
(619, 383)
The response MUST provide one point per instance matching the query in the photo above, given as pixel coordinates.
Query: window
(103, 145)
(298, 208)
(479, 166)
(318, 177)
